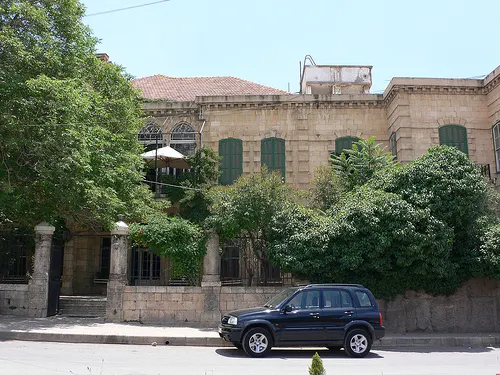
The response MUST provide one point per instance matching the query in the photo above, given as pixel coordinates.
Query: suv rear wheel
(257, 342)
(357, 343)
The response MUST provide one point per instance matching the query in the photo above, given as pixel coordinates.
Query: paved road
(39, 358)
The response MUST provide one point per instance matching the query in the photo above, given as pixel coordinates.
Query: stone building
(251, 125)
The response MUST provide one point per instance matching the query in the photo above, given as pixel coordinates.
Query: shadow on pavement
(293, 353)
(438, 349)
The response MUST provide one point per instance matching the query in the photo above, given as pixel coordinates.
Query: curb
(386, 342)
(113, 339)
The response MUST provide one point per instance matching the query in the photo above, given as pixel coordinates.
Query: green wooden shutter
(231, 164)
(344, 143)
(273, 154)
(454, 135)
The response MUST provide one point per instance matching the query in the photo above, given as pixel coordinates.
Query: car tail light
(380, 319)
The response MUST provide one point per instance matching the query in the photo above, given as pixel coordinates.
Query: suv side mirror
(287, 309)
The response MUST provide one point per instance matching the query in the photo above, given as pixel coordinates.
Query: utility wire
(127, 8)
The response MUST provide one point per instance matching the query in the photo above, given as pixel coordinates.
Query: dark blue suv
(331, 315)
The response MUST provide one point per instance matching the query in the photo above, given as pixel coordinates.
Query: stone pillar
(38, 287)
(68, 267)
(117, 272)
(211, 262)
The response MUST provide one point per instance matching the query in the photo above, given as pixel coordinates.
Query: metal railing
(16, 250)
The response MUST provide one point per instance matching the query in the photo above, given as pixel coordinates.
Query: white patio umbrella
(165, 157)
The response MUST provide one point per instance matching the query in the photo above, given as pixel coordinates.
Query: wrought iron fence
(17, 248)
(240, 266)
(147, 268)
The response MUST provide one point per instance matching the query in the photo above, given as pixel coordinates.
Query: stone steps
(82, 306)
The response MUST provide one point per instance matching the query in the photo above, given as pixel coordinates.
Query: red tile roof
(186, 89)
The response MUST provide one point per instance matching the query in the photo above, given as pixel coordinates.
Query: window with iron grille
(273, 154)
(150, 133)
(145, 265)
(105, 258)
(393, 146)
(183, 139)
(344, 143)
(454, 135)
(230, 260)
(496, 145)
(16, 250)
(231, 164)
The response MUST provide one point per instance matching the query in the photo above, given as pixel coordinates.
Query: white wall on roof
(321, 76)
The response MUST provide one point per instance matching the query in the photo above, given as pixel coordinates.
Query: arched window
(231, 164)
(454, 135)
(150, 133)
(183, 139)
(344, 143)
(273, 154)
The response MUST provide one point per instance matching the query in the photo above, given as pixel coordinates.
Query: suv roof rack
(334, 284)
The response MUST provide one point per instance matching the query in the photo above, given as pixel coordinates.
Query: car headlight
(232, 320)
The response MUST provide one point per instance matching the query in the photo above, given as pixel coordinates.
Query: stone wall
(475, 307)
(193, 306)
(14, 299)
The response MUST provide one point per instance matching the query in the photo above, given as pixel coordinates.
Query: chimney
(102, 56)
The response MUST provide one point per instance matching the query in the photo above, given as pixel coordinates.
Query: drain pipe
(201, 137)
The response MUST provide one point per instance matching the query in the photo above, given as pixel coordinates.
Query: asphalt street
(41, 358)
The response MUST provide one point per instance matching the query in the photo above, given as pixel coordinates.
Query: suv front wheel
(357, 343)
(257, 342)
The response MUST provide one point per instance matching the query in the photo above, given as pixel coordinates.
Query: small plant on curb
(316, 367)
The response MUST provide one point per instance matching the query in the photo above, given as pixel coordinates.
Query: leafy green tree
(68, 123)
(327, 189)
(317, 367)
(357, 166)
(489, 252)
(372, 237)
(247, 208)
(175, 238)
(190, 189)
(449, 184)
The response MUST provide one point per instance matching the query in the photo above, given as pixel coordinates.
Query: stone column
(117, 272)
(38, 287)
(211, 262)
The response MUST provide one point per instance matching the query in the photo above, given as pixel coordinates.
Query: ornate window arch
(183, 138)
(150, 133)
(454, 135)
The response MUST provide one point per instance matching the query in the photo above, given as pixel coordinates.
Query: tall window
(183, 139)
(105, 258)
(454, 135)
(496, 144)
(231, 165)
(230, 260)
(393, 146)
(145, 266)
(150, 133)
(273, 154)
(344, 143)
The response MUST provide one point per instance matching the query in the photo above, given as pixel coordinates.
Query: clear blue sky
(264, 40)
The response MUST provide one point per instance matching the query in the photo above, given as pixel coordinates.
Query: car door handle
(314, 315)
(348, 312)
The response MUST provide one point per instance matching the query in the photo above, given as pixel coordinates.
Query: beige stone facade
(410, 109)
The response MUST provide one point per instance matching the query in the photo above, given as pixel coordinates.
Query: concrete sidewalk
(97, 331)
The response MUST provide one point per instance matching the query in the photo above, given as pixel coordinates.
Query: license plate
(219, 329)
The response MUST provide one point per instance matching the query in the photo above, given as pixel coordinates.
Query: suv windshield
(277, 299)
